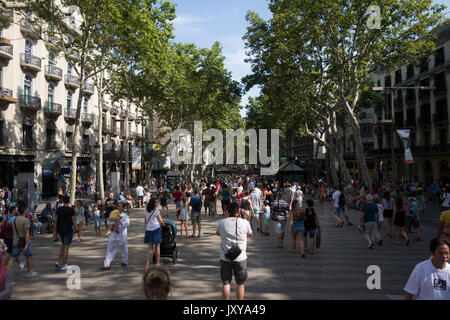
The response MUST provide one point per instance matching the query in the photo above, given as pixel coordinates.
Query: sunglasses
(446, 234)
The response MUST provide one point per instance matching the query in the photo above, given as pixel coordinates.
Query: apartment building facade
(424, 112)
(39, 91)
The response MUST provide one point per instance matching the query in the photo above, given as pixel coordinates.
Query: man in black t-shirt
(64, 222)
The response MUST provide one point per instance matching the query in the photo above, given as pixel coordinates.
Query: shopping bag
(318, 237)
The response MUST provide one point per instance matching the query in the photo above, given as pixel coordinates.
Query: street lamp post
(392, 121)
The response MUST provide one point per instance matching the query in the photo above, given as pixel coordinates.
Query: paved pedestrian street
(336, 271)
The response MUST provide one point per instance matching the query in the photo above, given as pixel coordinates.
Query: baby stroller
(168, 247)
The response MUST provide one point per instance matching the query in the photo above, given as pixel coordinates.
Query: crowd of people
(248, 203)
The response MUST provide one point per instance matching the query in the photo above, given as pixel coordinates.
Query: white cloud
(184, 19)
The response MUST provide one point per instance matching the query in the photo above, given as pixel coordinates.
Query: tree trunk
(100, 137)
(127, 151)
(76, 136)
(359, 152)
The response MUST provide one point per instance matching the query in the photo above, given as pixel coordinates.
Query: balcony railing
(105, 128)
(6, 51)
(6, 92)
(32, 29)
(424, 120)
(440, 117)
(70, 114)
(87, 118)
(6, 13)
(53, 72)
(29, 102)
(52, 108)
(88, 88)
(115, 131)
(28, 60)
(71, 80)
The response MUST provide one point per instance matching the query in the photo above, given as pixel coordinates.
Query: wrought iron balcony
(30, 29)
(6, 49)
(70, 115)
(30, 62)
(71, 81)
(105, 128)
(7, 15)
(114, 131)
(53, 73)
(52, 109)
(29, 103)
(6, 97)
(88, 88)
(87, 118)
(440, 118)
(114, 110)
(424, 120)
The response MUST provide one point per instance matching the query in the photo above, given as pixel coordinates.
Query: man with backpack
(411, 216)
(21, 241)
(196, 204)
(6, 232)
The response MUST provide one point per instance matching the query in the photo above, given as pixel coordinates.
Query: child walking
(96, 220)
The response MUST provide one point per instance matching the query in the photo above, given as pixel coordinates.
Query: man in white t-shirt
(140, 195)
(226, 229)
(430, 279)
(335, 208)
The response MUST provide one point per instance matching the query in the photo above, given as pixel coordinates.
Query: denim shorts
(239, 268)
(298, 226)
(66, 239)
(337, 211)
(279, 227)
(16, 251)
(153, 237)
(312, 233)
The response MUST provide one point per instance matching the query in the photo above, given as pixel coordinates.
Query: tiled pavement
(336, 271)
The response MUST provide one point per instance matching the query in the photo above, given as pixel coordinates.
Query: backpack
(341, 202)
(414, 206)
(6, 229)
(198, 205)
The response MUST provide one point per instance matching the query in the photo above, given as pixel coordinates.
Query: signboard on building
(404, 136)
(136, 158)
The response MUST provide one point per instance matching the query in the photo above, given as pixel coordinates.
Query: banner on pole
(136, 158)
(404, 136)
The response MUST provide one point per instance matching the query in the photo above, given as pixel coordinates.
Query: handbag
(318, 237)
(234, 251)
(22, 242)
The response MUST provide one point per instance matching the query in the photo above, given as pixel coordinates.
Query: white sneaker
(57, 264)
(65, 268)
(32, 274)
(22, 265)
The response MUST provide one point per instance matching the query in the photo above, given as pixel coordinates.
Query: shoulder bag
(22, 242)
(234, 251)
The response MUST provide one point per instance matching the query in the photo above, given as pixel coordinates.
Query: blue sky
(203, 22)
